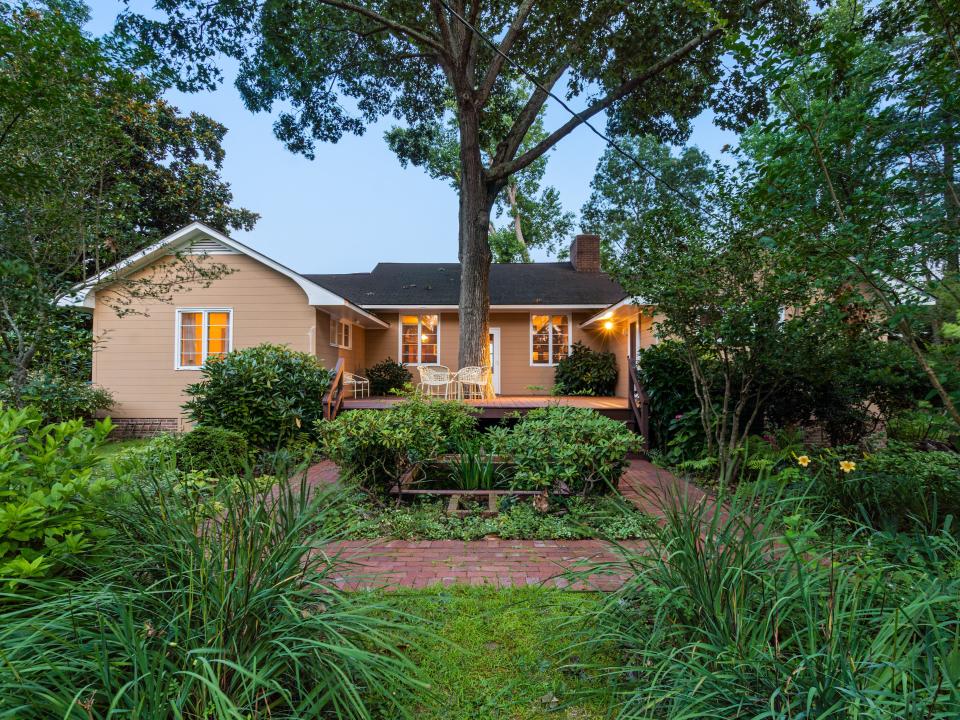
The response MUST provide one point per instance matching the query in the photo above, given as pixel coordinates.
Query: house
(404, 311)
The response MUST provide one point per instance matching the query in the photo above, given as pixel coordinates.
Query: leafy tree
(535, 216)
(649, 67)
(660, 195)
(94, 165)
(856, 165)
(722, 288)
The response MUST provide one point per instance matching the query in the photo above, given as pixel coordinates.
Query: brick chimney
(585, 253)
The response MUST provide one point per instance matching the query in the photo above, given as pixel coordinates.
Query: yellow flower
(803, 461)
(847, 465)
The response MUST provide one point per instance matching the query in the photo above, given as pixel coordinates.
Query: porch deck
(503, 405)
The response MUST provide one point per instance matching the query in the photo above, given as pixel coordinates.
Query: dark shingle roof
(407, 284)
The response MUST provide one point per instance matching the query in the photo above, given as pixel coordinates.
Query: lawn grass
(497, 653)
(113, 447)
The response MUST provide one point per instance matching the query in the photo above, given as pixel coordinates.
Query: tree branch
(508, 147)
(505, 169)
(396, 27)
(499, 57)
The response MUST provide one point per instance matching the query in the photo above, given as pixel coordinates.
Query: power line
(694, 204)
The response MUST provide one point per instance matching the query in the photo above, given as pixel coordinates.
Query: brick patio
(393, 563)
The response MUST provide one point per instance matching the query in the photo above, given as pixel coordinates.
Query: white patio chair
(358, 384)
(435, 380)
(472, 382)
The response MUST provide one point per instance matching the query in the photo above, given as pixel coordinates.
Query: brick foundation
(144, 427)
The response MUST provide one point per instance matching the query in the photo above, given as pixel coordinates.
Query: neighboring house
(404, 311)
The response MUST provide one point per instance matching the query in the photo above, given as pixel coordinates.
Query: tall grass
(751, 613)
(219, 608)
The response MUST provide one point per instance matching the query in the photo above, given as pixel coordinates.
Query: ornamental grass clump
(733, 615)
(231, 614)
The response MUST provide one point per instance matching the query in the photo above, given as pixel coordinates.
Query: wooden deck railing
(639, 401)
(333, 399)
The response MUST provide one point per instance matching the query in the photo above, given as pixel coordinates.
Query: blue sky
(354, 206)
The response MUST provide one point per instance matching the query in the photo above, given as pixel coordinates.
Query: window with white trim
(341, 333)
(549, 339)
(419, 339)
(202, 333)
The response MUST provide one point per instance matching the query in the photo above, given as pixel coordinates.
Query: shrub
(586, 372)
(268, 393)
(58, 398)
(896, 486)
(239, 617)
(558, 447)
(376, 447)
(665, 374)
(221, 451)
(50, 498)
(387, 377)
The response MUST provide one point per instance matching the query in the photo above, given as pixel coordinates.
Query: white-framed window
(202, 333)
(341, 333)
(549, 339)
(419, 339)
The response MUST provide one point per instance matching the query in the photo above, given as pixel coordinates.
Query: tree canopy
(334, 67)
(94, 165)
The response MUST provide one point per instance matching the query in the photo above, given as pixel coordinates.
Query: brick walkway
(392, 563)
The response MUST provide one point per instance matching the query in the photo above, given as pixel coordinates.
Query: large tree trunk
(476, 202)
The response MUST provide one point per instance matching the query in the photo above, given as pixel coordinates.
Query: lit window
(340, 331)
(201, 335)
(549, 339)
(419, 339)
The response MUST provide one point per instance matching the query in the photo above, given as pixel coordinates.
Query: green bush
(237, 618)
(895, 487)
(59, 398)
(268, 393)
(558, 447)
(376, 447)
(586, 372)
(51, 501)
(665, 374)
(220, 451)
(387, 377)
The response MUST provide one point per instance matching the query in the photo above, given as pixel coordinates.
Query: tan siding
(353, 357)
(135, 353)
(516, 373)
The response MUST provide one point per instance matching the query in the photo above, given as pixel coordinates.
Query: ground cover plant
(572, 518)
(220, 604)
(497, 653)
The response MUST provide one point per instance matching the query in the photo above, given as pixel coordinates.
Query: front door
(495, 357)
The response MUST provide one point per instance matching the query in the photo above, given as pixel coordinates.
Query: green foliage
(665, 373)
(895, 487)
(586, 372)
(268, 393)
(387, 377)
(94, 166)
(59, 398)
(568, 518)
(497, 653)
(222, 452)
(474, 468)
(216, 615)
(751, 597)
(375, 447)
(923, 425)
(51, 500)
(560, 447)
